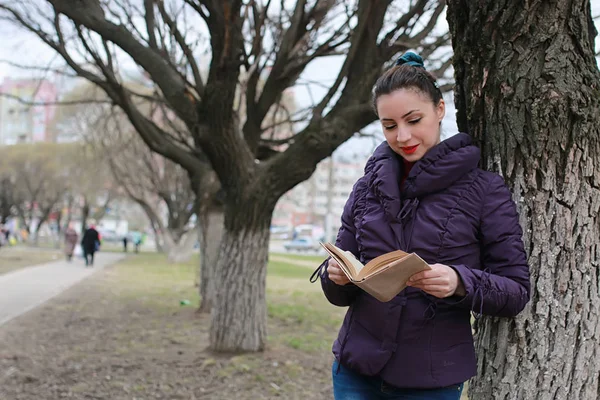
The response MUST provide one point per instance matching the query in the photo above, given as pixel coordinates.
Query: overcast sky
(24, 48)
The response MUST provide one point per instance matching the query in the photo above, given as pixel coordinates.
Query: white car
(303, 244)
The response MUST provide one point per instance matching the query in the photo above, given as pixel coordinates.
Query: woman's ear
(441, 110)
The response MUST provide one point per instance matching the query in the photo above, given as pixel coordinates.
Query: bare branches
(431, 23)
(171, 84)
(190, 114)
(38, 175)
(404, 22)
(25, 67)
(189, 55)
(149, 179)
(199, 8)
(149, 6)
(291, 59)
(49, 103)
(351, 111)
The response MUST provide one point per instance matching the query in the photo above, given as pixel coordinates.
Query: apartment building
(20, 121)
(323, 195)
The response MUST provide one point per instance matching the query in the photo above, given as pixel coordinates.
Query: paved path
(27, 288)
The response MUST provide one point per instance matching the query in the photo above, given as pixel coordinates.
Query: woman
(90, 244)
(422, 195)
(71, 238)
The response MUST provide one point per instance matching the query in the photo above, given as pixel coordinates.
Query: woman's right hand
(335, 273)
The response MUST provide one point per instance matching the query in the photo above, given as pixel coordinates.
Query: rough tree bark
(179, 250)
(239, 312)
(527, 90)
(211, 231)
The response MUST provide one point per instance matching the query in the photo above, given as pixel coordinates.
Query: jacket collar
(441, 166)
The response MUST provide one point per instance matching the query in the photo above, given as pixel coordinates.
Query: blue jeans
(348, 385)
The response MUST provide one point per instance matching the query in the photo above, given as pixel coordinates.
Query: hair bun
(412, 59)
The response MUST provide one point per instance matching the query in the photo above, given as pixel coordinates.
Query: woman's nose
(403, 135)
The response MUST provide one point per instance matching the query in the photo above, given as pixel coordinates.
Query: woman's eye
(389, 127)
(414, 121)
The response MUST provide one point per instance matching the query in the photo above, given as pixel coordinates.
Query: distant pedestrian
(71, 238)
(2, 236)
(136, 237)
(125, 242)
(90, 243)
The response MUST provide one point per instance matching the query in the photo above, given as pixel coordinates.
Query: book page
(385, 283)
(403, 268)
(348, 262)
(382, 261)
(358, 266)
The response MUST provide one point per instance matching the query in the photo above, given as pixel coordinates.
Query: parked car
(280, 232)
(303, 244)
(109, 235)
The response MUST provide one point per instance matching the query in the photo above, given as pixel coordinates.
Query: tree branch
(50, 103)
(38, 68)
(167, 78)
(187, 51)
(291, 59)
(149, 17)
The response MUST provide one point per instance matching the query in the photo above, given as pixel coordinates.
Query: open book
(383, 277)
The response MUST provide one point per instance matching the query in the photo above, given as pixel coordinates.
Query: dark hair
(408, 72)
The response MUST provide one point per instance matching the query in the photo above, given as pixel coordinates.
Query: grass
(305, 320)
(299, 316)
(299, 257)
(129, 333)
(287, 270)
(150, 279)
(14, 258)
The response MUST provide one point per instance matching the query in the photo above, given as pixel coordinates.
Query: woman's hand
(441, 281)
(336, 274)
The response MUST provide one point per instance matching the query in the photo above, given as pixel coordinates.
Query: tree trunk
(59, 230)
(239, 313)
(527, 90)
(180, 251)
(36, 236)
(210, 233)
(158, 235)
(69, 211)
(85, 212)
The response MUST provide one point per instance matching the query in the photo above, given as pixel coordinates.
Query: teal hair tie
(412, 59)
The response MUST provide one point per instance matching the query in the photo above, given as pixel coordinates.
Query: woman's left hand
(441, 281)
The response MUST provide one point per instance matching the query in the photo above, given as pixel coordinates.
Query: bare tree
(90, 187)
(159, 186)
(249, 43)
(527, 90)
(7, 197)
(38, 180)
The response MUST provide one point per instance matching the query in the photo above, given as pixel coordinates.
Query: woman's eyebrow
(404, 116)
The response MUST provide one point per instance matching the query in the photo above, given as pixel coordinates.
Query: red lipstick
(409, 149)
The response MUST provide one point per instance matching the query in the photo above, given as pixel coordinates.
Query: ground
(13, 258)
(123, 334)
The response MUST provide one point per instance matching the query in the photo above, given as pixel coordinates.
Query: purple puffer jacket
(449, 212)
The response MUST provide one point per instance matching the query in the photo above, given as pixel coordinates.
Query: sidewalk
(25, 289)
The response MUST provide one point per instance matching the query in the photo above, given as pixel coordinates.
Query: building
(21, 122)
(320, 200)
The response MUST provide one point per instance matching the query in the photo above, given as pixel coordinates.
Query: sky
(19, 47)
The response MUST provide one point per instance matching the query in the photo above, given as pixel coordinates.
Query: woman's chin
(414, 157)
